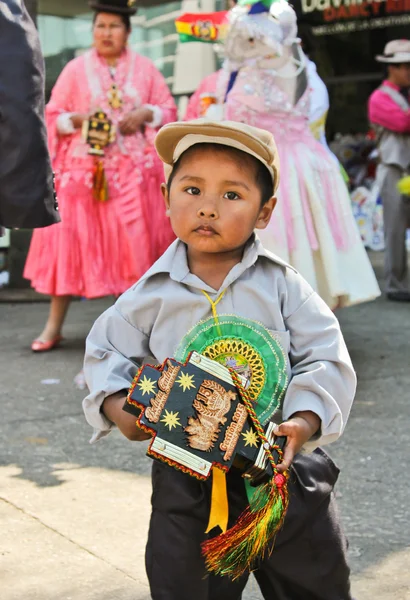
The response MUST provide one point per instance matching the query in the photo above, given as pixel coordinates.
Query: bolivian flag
(202, 27)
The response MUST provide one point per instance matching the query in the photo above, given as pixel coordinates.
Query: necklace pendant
(114, 97)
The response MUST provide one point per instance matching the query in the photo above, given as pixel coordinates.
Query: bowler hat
(117, 7)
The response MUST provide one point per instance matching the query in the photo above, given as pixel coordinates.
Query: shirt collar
(390, 84)
(175, 262)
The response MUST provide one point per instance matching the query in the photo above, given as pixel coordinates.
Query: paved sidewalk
(74, 516)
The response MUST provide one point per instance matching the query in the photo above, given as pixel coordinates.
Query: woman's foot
(50, 337)
(45, 342)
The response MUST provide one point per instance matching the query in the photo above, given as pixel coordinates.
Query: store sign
(344, 16)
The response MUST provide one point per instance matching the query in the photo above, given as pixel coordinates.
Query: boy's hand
(126, 423)
(298, 429)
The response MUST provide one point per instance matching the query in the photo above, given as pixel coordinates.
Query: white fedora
(396, 51)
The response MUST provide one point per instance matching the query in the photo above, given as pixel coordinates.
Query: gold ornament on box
(98, 131)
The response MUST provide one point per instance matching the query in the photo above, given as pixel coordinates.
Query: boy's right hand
(126, 423)
(298, 429)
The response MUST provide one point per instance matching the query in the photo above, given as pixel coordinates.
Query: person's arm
(134, 120)
(323, 384)
(112, 409)
(208, 85)
(193, 108)
(63, 112)
(68, 123)
(385, 112)
(160, 101)
(159, 107)
(194, 105)
(114, 351)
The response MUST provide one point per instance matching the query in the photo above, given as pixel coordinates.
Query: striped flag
(202, 27)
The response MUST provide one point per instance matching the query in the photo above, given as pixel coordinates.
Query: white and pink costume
(312, 226)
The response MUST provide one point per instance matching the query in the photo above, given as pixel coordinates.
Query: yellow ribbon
(219, 512)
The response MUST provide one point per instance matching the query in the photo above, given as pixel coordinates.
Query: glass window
(62, 39)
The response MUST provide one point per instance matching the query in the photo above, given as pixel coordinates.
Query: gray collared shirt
(151, 318)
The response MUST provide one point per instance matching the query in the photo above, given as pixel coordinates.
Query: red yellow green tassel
(235, 552)
(100, 185)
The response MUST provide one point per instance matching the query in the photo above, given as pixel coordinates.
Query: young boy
(221, 179)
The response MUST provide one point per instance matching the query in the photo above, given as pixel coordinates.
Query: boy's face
(214, 202)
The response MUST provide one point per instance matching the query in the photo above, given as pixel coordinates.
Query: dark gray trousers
(396, 218)
(309, 558)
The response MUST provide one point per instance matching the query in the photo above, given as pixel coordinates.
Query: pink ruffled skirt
(101, 248)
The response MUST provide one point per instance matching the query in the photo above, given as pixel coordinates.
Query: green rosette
(249, 348)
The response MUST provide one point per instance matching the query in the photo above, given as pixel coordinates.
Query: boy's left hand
(298, 429)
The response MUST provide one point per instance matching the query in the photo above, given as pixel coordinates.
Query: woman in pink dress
(102, 246)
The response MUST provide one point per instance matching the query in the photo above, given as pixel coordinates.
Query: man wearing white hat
(389, 111)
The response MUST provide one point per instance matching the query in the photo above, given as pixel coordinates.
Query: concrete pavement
(74, 517)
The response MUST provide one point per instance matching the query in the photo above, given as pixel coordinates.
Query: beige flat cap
(175, 138)
(396, 51)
